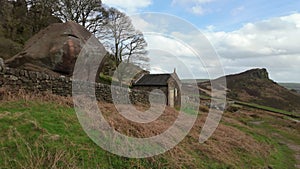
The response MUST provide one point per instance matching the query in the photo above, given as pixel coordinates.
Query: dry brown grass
(134, 129)
(9, 94)
(226, 142)
(222, 147)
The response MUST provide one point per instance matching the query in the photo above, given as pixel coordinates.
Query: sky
(243, 34)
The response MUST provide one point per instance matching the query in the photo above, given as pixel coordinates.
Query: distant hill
(254, 86)
(291, 86)
(188, 81)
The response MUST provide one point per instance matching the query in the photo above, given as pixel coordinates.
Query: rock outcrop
(255, 86)
(53, 50)
(256, 73)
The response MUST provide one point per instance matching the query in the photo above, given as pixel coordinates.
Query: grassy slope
(46, 135)
(35, 134)
(273, 130)
(266, 108)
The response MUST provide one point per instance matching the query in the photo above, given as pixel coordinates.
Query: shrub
(8, 48)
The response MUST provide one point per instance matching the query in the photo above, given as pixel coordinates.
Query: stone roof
(153, 80)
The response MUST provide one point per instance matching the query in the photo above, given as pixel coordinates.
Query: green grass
(257, 106)
(266, 108)
(39, 135)
(190, 110)
(105, 79)
(281, 157)
(47, 135)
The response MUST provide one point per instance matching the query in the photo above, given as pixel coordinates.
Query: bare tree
(120, 37)
(125, 42)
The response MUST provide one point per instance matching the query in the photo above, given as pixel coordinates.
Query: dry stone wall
(60, 85)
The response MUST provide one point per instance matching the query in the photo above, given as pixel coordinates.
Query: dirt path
(293, 146)
(296, 149)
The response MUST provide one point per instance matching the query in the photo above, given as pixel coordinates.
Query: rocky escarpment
(253, 73)
(255, 86)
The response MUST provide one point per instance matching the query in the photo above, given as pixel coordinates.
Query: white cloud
(172, 44)
(194, 6)
(158, 70)
(198, 10)
(142, 24)
(177, 48)
(273, 37)
(129, 6)
(272, 43)
(190, 1)
(210, 28)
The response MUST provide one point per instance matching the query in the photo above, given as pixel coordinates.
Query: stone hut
(168, 83)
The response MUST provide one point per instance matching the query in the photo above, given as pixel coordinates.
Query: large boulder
(54, 49)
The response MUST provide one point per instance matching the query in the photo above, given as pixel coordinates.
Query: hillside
(291, 86)
(254, 86)
(43, 132)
